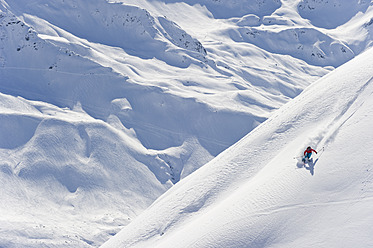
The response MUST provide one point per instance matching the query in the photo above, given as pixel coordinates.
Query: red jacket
(309, 151)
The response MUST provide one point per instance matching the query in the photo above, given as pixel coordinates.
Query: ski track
(352, 106)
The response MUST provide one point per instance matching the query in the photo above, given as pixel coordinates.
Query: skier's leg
(305, 158)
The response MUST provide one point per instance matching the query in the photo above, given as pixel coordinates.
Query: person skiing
(308, 153)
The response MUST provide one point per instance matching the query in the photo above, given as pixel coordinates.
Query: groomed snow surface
(106, 105)
(257, 193)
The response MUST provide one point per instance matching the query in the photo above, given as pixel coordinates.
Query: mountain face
(106, 105)
(258, 192)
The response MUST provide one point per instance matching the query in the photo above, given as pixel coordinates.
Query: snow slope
(105, 105)
(255, 194)
(68, 179)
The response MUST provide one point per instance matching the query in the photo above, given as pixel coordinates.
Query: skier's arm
(314, 151)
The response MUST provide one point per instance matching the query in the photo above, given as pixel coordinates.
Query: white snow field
(255, 194)
(106, 105)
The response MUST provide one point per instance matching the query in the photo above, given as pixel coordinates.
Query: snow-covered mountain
(258, 193)
(105, 105)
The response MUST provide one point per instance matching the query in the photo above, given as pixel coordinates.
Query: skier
(308, 153)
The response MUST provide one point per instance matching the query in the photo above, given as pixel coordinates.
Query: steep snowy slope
(255, 194)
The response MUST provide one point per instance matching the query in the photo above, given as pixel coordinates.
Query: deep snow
(106, 105)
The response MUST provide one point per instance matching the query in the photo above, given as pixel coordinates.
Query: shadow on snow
(309, 165)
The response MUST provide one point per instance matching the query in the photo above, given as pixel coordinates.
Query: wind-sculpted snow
(75, 165)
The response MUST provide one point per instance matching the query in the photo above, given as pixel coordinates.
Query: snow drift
(256, 194)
